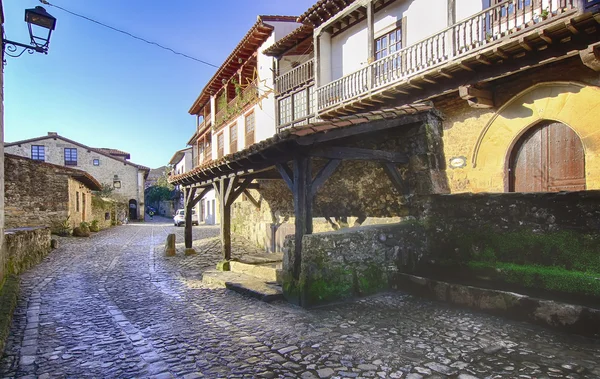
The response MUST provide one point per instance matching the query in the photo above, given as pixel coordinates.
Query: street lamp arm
(16, 49)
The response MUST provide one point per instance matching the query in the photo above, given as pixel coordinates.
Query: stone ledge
(9, 293)
(567, 317)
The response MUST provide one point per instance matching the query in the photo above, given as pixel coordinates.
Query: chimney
(52, 134)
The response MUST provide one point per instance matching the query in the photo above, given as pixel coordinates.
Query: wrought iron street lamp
(40, 24)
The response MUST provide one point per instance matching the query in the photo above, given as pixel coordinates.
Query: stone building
(109, 166)
(40, 193)
(492, 96)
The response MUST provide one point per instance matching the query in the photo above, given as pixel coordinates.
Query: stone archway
(133, 209)
(573, 104)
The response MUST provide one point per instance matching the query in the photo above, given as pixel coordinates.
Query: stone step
(269, 272)
(244, 284)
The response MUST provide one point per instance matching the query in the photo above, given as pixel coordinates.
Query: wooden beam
(286, 174)
(591, 57)
(358, 154)
(477, 98)
(324, 174)
(225, 217)
(395, 177)
(252, 199)
(368, 127)
(300, 192)
(188, 195)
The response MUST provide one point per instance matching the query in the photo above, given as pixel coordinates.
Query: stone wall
(129, 176)
(25, 247)
(357, 190)
(107, 212)
(36, 194)
(547, 242)
(353, 262)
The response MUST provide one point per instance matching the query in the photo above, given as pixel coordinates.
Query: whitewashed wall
(349, 50)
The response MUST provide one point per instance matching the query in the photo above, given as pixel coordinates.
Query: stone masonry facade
(38, 194)
(125, 177)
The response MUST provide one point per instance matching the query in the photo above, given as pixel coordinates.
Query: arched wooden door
(548, 158)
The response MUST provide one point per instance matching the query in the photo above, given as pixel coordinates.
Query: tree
(163, 180)
(156, 194)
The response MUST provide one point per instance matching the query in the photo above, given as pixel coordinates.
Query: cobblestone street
(112, 306)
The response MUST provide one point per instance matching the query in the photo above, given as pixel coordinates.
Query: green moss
(8, 301)
(372, 280)
(338, 285)
(223, 266)
(564, 249)
(544, 277)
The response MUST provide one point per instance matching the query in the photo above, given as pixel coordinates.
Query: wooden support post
(188, 196)
(300, 191)
(223, 189)
(370, 42)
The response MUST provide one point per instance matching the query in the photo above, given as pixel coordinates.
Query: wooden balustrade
(247, 95)
(295, 78)
(464, 37)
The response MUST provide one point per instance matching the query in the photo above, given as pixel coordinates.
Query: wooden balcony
(236, 106)
(295, 78)
(508, 30)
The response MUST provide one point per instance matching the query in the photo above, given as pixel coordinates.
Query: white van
(179, 218)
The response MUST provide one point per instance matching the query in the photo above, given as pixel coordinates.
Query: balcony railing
(295, 78)
(206, 122)
(234, 108)
(464, 37)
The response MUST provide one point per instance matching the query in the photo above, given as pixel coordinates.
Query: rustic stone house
(40, 193)
(111, 167)
(496, 96)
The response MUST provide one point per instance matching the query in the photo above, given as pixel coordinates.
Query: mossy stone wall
(546, 241)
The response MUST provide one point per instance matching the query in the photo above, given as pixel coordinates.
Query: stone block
(170, 245)
(54, 243)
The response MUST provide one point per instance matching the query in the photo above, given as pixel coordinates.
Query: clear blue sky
(104, 89)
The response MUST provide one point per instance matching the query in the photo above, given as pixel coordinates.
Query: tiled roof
(289, 41)
(322, 11)
(255, 37)
(99, 151)
(116, 152)
(207, 170)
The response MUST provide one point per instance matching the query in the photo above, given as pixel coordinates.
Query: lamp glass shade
(38, 16)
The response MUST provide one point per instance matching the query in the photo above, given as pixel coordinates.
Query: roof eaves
(260, 23)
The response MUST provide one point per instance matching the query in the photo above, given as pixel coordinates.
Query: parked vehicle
(179, 218)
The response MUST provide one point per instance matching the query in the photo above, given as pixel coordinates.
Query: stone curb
(557, 315)
(9, 294)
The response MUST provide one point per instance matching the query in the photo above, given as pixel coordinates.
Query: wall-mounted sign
(458, 162)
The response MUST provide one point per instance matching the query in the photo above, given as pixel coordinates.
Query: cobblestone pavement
(113, 306)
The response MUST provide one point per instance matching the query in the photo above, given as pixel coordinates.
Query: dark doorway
(547, 158)
(133, 213)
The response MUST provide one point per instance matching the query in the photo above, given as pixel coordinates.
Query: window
(208, 148)
(388, 43)
(220, 145)
(233, 138)
(117, 184)
(300, 105)
(249, 124)
(285, 111)
(200, 151)
(96, 162)
(70, 156)
(77, 201)
(38, 152)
